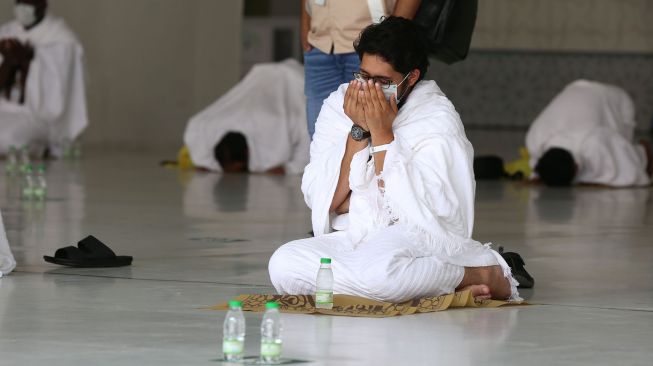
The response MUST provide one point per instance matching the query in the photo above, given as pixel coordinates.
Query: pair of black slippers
(516, 263)
(89, 253)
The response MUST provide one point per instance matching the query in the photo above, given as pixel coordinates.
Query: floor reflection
(591, 206)
(55, 221)
(428, 338)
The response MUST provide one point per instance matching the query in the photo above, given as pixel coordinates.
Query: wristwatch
(358, 133)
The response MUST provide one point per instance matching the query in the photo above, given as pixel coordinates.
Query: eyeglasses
(385, 83)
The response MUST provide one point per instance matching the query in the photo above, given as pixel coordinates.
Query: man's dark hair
(232, 148)
(398, 41)
(556, 168)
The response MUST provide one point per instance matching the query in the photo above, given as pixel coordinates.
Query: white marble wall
(565, 25)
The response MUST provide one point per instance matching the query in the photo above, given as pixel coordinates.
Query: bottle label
(232, 347)
(270, 349)
(324, 297)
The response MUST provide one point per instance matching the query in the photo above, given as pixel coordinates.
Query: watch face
(357, 133)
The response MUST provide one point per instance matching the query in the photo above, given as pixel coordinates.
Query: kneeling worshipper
(7, 261)
(42, 92)
(585, 135)
(259, 126)
(395, 177)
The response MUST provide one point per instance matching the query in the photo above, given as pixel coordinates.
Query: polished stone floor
(199, 239)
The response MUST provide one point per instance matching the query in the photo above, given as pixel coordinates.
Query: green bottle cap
(42, 168)
(325, 260)
(272, 305)
(235, 304)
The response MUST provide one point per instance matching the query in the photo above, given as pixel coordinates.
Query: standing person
(42, 92)
(328, 31)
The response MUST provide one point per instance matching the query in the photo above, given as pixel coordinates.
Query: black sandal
(516, 263)
(89, 253)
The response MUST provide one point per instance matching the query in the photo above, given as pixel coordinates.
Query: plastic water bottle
(24, 159)
(12, 161)
(28, 183)
(233, 336)
(40, 185)
(324, 284)
(271, 328)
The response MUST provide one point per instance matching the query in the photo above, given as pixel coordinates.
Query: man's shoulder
(64, 32)
(429, 104)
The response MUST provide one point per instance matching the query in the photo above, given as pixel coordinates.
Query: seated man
(402, 170)
(259, 126)
(42, 96)
(585, 135)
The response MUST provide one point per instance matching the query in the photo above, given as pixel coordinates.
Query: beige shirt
(336, 24)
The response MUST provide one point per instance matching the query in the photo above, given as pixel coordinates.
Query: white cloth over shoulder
(7, 261)
(423, 217)
(595, 122)
(268, 108)
(54, 111)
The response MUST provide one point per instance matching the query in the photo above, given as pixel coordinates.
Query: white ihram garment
(595, 122)
(269, 108)
(7, 261)
(54, 111)
(413, 240)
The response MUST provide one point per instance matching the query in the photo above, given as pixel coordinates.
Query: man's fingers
(366, 97)
(374, 98)
(380, 97)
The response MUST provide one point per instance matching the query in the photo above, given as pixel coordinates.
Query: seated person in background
(259, 126)
(585, 135)
(391, 156)
(42, 93)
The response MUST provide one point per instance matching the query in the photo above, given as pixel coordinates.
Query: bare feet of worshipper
(486, 283)
(480, 292)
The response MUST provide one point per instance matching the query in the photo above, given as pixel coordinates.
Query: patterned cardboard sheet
(345, 305)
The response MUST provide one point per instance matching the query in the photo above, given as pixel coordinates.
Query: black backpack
(448, 26)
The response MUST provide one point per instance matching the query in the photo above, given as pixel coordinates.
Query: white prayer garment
(54, 112)
(7, 262)
(410, 240)
(595, 122)
(269, 108)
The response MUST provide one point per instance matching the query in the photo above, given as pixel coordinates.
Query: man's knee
(277, 265)
(288, 271)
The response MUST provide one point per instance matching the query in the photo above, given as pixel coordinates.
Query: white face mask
(25, 14)
(391, 90)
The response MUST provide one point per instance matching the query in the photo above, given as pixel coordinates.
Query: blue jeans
(323, 75)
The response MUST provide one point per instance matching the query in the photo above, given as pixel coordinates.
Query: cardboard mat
(345, 305)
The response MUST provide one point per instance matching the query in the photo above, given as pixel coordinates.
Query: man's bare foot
(480, 292)
(491, 277)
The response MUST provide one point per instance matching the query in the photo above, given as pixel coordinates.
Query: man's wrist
(354, 147)
(382, 137)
